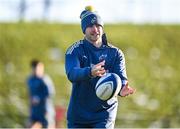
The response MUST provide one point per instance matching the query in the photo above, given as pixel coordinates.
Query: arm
(120, 69)
(37, 90)
(34, 98)
(73, 70)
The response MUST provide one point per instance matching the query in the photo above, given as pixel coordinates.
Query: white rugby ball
(108, 86)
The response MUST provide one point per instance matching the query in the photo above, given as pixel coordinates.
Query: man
(85, 62)
(41, 91)
(50, 107)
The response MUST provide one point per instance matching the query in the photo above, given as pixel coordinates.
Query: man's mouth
(95, 34)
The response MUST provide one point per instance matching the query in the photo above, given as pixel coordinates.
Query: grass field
(152, 61)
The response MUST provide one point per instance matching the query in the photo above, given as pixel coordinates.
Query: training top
(84, 105)
(38, 91)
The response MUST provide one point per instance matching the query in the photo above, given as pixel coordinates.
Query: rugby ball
(108, 86)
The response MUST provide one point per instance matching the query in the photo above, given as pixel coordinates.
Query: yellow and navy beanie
(89, 18)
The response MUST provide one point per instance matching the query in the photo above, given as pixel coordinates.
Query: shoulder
(74, 46)
(30, 78)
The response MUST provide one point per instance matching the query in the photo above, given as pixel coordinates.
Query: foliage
(153, 67)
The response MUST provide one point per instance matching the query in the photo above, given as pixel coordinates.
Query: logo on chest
(102, 57)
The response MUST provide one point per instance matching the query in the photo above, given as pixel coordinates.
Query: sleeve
(46, 92)
(37, 91)
(42, 90)
(31, 88)
(73, 69)
(120, 67)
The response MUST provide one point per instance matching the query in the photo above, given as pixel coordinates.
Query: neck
(96, 43)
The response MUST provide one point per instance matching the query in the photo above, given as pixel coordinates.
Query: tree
(22, 10)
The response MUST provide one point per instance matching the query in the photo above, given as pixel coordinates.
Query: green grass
(152, 62)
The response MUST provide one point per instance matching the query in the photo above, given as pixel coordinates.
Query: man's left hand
(126, 90)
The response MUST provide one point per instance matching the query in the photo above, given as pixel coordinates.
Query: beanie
(89, 18)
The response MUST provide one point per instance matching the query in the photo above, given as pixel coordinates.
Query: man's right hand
(98, 69)
(35, 100)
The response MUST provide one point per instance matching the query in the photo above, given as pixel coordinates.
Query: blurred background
(147, 31)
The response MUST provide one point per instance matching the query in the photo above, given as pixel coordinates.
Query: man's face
(94, 33)
(39, 70)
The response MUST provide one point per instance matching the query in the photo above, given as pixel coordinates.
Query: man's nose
(94, 27)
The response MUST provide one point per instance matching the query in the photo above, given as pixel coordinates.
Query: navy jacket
(37, 90)
(84, 106)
